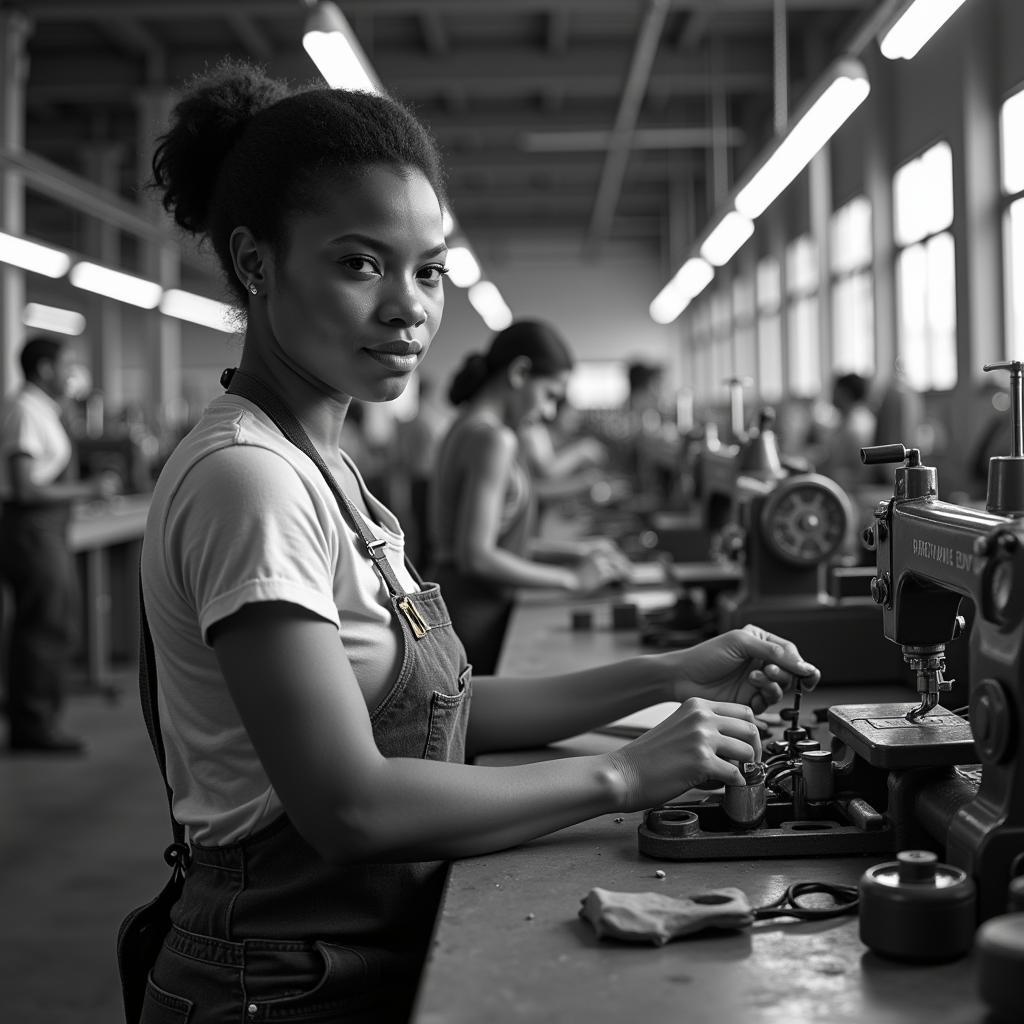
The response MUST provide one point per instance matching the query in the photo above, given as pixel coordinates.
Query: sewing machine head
(930, 556)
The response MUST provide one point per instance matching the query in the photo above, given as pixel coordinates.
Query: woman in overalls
(313, 697)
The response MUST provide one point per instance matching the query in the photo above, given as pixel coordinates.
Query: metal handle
(1016, 368)
(880, 453)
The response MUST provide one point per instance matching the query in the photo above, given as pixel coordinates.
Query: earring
(253, 288)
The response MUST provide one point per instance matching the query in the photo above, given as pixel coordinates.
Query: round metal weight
(916, 909)
(999, 951)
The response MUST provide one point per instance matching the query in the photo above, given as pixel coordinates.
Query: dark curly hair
(539, 342)
(246, 149)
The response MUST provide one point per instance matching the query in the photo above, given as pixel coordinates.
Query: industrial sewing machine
(786, 531)
(915, 775)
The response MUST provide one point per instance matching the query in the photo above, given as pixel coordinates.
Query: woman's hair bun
(469, 379)
(205, 126)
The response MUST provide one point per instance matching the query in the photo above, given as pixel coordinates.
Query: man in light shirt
(36, 563)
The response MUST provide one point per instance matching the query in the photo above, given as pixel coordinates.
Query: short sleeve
(244, 527)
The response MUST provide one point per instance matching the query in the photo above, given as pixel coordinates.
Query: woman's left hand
(746, 666)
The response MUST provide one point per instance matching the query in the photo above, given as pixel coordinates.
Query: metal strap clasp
(416, 621)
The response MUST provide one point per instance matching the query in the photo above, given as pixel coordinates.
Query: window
(703, 371)
(744, 335)
(598, 384)
(802, 317)
(925, 269)
(721, 338)
(853, 308)
(1011, 137)
(769, 330)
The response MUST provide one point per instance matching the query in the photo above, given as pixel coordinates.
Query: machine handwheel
(805, 519)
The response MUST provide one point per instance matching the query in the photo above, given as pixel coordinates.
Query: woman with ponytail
(314, 701)
(483, 508)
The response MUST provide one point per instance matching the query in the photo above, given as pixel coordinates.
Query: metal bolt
(879, 589)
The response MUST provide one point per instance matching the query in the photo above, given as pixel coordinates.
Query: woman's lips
(399, 361)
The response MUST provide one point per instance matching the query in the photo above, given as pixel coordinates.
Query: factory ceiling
(586, 124)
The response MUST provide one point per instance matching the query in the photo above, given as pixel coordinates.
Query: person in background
(417, 441)
(483, 507)
(36, 562)
(653, 448)
(563, 462)
(854, 426)
(316, 706)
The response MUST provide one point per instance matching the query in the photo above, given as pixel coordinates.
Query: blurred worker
(564, 462)
(653, 446)
(417, 441)
(483, 506)
(35, 560)
(838, 455)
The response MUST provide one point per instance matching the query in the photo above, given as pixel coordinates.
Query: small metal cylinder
(816, 767)
(744, 805)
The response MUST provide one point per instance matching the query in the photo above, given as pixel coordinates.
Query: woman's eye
(434, 274)
(360, 264)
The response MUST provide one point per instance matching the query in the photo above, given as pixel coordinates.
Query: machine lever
(881, 453)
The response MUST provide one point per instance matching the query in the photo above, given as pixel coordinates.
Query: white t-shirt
(241, 515)
(31, 424)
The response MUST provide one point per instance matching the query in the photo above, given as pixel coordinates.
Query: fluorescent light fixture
(918, 22)
(38, 317)
(40, 259)
(689, 281)
(115, 284)
(725, 238)
(836, 96)
(332, 46)
(197, 309)
(463, 269)
(485, 298)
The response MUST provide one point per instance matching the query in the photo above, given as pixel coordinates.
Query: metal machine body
(789, 542)
(930, 555)
(909, 775)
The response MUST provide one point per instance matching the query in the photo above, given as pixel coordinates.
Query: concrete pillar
(16, 29)
(981, 328)
(105, 317)
(878, 170)
(161, 341)
(820, 181)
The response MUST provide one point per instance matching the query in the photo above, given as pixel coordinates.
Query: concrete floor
(81, 844)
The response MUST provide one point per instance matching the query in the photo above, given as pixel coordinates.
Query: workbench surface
(510, 946)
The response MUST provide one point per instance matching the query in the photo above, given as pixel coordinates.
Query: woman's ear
(247, 260)
(518, 371)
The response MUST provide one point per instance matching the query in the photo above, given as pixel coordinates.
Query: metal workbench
(510, 946)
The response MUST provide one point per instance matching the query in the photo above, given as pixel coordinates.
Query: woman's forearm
(434, 810)
(511, 713)
(508, 569)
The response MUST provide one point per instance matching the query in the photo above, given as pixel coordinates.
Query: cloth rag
(652, 917)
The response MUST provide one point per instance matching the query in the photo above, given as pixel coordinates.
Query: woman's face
(357, 297)
(540, 397)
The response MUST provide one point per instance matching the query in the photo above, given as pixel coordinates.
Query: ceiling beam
(255, 41)
(617, 155)
(434, 36)
(77, 10)
(642, 138)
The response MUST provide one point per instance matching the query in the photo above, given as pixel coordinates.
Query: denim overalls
(266, 930)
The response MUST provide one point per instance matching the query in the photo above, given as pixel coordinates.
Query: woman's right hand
(696, 744)
(597, 569)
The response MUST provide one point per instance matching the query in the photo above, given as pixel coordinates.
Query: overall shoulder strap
(151, 713)
(247, 386)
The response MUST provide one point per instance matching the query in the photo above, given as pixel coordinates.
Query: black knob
(880, 453)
